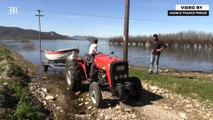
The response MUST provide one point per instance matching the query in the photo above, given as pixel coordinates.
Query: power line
(121, 18)
(133, 19)
(170, 21)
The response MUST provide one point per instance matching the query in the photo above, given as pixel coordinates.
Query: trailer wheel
(95, 94)
(137, 87)
(72, 71)
(45, 65)
(45, 68)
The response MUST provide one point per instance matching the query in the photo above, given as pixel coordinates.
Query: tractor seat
(88, 58)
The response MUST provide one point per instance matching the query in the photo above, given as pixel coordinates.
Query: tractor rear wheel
(95, 94)
(137, 87)
(72, 71)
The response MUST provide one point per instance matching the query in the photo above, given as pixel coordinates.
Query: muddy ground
(155, 103)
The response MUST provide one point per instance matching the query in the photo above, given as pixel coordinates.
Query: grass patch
(16, 97)
(198, 88)
(19, 73)
(15, 100)
(24, 108)
(4, 52)
(1, 69)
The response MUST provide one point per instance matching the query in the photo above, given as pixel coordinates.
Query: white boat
(61, 54)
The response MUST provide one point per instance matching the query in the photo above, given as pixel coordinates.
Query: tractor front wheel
(72, 71)
(137, 87)
(95, 94)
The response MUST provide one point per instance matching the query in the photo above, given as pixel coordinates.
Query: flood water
(188, 59)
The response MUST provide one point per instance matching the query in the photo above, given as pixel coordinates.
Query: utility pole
(39, 20)
(126, 30)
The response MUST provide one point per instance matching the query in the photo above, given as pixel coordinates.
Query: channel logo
(190, 10)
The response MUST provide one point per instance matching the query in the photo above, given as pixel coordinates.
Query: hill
(27, 34)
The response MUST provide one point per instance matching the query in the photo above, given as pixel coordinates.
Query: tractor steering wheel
(99, 53)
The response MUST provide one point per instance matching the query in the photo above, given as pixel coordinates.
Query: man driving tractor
(92, 52)
(93, 48)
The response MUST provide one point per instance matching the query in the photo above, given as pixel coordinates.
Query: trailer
(57, 58)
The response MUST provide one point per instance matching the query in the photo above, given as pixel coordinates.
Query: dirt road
(155, 103)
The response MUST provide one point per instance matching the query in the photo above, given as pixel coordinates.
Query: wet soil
(62, 101)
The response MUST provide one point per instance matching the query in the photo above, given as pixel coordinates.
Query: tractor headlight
(125, 75)
(115, 77)
(121, 76)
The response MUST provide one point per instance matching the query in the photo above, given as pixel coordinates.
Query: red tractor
(103, 71)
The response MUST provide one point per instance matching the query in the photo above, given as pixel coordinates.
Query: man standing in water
(157, 47)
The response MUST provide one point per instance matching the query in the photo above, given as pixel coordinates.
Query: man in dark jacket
(157, 47)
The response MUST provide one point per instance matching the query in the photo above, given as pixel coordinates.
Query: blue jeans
(154, 63)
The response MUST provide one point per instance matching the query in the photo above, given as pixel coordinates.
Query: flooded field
(173, 58)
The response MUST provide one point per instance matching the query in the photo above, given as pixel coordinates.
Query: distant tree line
(181, 39)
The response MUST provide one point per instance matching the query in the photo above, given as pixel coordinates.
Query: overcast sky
(103, 18)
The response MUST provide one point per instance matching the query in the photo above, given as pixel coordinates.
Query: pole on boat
(126, 30)
(39, 20)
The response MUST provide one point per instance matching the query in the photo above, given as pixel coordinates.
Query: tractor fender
(82, 64)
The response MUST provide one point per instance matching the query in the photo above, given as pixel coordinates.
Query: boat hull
(60, 54)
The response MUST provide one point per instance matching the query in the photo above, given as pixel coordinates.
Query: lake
(187, 59)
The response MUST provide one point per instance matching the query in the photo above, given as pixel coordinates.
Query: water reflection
(19, 45)
(183, 59)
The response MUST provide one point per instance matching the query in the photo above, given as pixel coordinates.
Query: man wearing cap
(157, 47)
